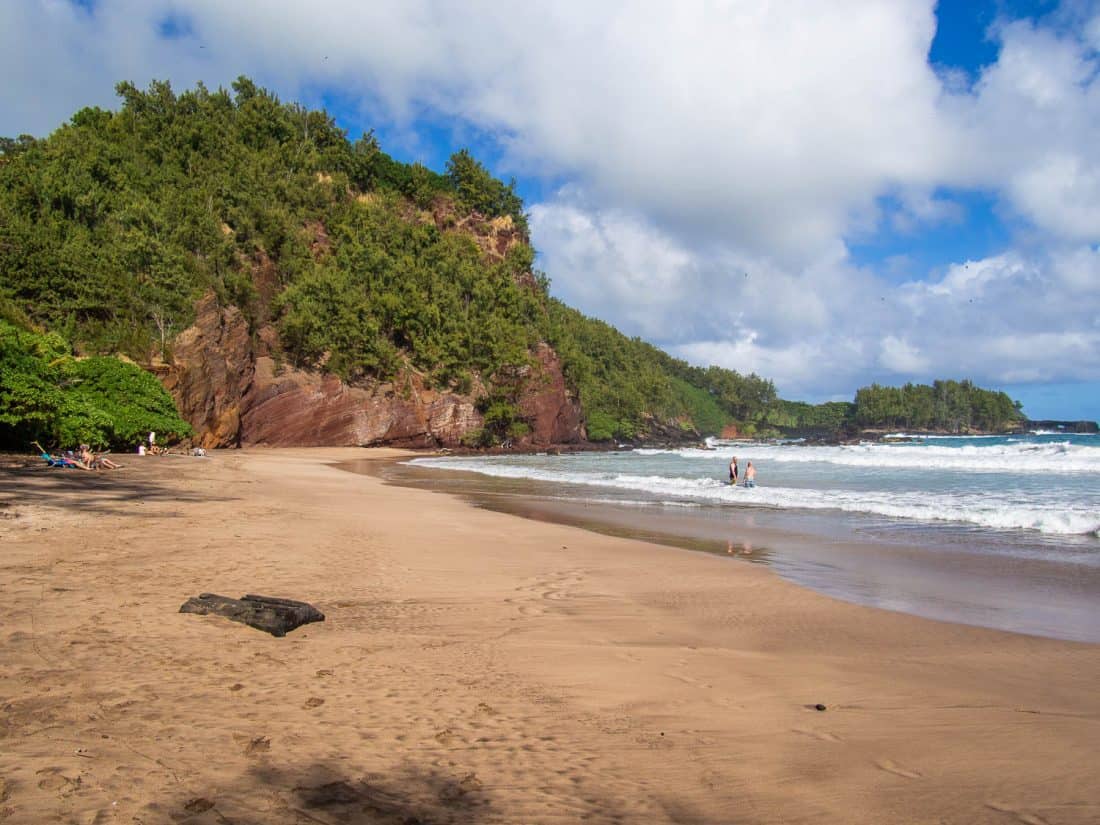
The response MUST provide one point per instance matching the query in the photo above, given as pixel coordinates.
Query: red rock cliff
(229, 388)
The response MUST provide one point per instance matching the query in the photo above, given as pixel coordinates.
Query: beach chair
(54, 461)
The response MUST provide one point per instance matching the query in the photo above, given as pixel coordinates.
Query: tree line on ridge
(112, 228)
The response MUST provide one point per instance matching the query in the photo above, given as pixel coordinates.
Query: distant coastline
(820, 435)
(807, 435)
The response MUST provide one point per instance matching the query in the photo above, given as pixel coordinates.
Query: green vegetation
(112, 228)
(477, 190)
(944, 406)
(627, 386)
(828, 418)
(48, 395)
(115, 225)
(953, 406)
(399, 293)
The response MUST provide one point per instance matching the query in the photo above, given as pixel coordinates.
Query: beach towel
(54, 461)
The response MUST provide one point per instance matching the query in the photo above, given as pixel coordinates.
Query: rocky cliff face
(213, 367)
(228, 386)
(298, 408)
(553, 413)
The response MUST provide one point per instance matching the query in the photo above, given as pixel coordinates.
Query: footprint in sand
(53, 779)
(456, 791)
(197, 805)
(313, 702)
(63, 786)
(258, 745)
(890, 766)
(818, 734)
(688, 680)
(1026, 817)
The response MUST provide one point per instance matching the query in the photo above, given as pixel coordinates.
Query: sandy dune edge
(475, 667)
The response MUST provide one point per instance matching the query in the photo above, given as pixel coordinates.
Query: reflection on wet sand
(875, 565)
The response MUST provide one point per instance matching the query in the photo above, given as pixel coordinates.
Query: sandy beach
(478, 667)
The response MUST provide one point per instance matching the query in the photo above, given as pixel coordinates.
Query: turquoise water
(1034, 486)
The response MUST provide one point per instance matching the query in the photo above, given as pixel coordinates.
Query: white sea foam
(1049, 457)
(984, 510)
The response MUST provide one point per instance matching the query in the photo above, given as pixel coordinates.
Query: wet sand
(477, 667)
(940, 574)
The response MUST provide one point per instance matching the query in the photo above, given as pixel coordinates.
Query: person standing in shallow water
(750, 475)
(733, 471)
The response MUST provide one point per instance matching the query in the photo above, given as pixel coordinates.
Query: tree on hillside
(46, 394)
(478, 190)
(113, 227)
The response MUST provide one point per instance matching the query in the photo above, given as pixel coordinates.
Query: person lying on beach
(76, 459)
(94, 462)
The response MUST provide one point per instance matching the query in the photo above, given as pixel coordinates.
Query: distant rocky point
(1078, 427)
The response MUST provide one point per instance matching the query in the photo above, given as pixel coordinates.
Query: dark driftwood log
(275, 616)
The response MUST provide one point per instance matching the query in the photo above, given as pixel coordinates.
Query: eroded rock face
(212, 369)
(228, 387)
(553, 413)
(494, 236)
(299, 408)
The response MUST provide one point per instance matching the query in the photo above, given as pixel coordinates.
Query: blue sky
(826, 193)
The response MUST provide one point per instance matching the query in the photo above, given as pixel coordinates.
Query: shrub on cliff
(48, 395)
(396, 291)
(116, 224)
(477, 189)
(625, 382)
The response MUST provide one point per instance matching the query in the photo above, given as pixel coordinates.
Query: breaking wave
(978, 509)
(1049, 457)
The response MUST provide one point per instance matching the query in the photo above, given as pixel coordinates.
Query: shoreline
(477, 667)
(1031, 594)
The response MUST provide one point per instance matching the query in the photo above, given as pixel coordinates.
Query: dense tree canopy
(952, 406)
(116, 224)
(826, 419)
(48, 395)
(943, 406)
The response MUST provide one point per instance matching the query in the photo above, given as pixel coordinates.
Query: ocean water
(1033, 485)
(1001, 531)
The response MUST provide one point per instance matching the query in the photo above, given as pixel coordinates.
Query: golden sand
(476, 667)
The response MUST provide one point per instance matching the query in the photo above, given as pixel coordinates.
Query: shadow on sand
(104, 492)
(318, 793)
(410, 796)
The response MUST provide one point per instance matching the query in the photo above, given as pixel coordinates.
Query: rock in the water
(275, 616)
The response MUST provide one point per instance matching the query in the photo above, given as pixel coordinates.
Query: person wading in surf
(733, 471)
(750, 475)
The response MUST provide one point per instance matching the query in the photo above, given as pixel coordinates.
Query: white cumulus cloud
(900, 356)
(721, 157)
